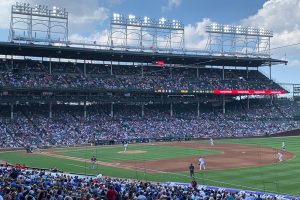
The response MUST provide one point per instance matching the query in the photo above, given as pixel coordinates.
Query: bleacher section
(35, 74)
(68, 126)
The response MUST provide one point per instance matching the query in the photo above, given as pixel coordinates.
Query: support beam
(84, 111)
(270, 67)
(171, 109)
(171, 71)
(271, 99)
(223, 73)
(198, 109)
(143, 112)
(111, 68)
(84, 67)
(12, 61)
(247, 72)
(248, 102)
(142, 70)
(11, 111)
(294, 91)
(50, 66)
(50, 110)
(112, 110)
(224, 105)
(197, 72)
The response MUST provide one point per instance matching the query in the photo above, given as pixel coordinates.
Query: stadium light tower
(145, 33)
(238, 39)
(38, 24)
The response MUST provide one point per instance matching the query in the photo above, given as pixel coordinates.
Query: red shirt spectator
(111, 193)
(5, 164)
(23, 166)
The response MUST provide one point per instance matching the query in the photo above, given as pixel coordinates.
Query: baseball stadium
(143, 115)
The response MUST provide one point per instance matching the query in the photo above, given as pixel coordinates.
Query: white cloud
(83, 15)
(283, 17)
(278, 15)
(100, 14)
(195, 35)
(98, 37)
(171, 5)
(5, 6)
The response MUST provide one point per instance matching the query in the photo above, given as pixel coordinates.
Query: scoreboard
(223, 92)
(184, 91)
(296, 92)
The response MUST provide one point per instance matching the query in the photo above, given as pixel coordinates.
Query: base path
(233, 156)
(132, 152)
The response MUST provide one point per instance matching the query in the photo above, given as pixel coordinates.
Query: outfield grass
(278, 178)
(152, 152)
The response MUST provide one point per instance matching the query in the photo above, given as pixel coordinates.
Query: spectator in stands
(112, 193)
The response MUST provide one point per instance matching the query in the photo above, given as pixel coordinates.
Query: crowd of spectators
(32, 184)
(28, 73)
(67, 126)
(32, 125)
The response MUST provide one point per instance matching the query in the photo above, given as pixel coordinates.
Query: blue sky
(89, 20)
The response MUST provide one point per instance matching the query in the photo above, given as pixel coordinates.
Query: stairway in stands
(281, 112)
(9, 132)
(42, 134)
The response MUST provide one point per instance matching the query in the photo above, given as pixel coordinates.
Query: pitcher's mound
(132, 152)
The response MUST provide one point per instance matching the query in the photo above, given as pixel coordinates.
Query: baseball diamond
(96, 104)
(255, 168)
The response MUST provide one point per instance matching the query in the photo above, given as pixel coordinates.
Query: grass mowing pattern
(278, 178)
(152, 152)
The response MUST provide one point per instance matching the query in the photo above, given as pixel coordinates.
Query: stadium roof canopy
(46, 51)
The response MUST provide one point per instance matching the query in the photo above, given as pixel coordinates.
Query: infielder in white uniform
(201, 163)
(280, 156)
(125, 146)
(211, 141)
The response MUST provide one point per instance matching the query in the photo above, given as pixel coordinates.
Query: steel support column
(84, 111)
(50, 110)
(11, 111)
(198, 108)
(112, 109)
(224, 105)
(143, 112)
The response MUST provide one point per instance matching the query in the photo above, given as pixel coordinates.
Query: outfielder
(125, 146)
(201, 163)
(211, 141)
(283, 147)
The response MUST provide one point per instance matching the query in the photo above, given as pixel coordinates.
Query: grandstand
(61, 93)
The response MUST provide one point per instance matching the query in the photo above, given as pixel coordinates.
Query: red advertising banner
(249, 92)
